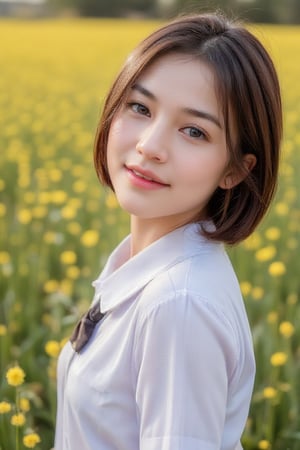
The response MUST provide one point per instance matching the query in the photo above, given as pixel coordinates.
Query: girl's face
(166, 150)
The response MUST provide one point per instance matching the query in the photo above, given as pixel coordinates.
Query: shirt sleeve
(185, 355)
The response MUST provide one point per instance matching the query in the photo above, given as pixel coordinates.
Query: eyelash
(200, 133)
(136, 106)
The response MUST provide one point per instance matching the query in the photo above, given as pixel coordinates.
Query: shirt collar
(122, 276)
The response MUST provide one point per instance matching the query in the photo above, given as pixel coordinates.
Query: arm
(185, 356)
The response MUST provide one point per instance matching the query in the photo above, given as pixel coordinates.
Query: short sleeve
(185, 355)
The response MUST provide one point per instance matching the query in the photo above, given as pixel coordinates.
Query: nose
(152, 142)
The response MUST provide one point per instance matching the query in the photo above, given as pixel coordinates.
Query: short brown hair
(248, 87)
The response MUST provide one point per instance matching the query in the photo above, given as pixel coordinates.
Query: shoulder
(193, 288)
(175, 318)
(206, 278)
(200, 293)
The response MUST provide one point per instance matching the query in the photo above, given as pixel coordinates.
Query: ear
(233, 178)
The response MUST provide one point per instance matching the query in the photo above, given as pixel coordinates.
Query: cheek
(114, 135)
(204, 172)
(113, 142)
(115, 127)
(111, 156)
(120, 137)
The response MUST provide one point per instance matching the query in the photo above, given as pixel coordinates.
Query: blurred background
(267, 11)
(58, 225)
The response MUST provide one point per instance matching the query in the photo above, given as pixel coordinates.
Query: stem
(17, 411)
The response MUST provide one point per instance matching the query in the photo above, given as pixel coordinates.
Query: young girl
(189, 142)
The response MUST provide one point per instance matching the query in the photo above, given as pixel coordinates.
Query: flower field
(57, 225)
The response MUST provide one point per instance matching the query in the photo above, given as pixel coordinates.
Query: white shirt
(171, 365)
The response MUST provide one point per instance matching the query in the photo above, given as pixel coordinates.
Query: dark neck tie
(85, 327)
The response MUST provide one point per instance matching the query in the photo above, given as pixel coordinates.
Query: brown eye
(194, 132)
(139, 108)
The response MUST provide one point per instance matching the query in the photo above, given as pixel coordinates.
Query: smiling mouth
(147, 178)
(143, 176)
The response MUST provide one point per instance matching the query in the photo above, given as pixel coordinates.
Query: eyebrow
(190, 111)
(144, 91)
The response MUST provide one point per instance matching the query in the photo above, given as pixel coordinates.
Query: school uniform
(171, 364)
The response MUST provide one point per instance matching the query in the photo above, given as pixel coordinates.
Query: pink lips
(144, 178)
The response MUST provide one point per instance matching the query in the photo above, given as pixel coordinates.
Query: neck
(146, 231)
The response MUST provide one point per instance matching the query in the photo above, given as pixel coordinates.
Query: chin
(132, 209)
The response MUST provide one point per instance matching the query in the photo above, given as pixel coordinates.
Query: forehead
(189, 67)
(184, 78)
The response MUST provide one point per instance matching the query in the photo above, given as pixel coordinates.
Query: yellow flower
(49, 237)
(253, 242)
(245, 288)
(272, 317)
(77, 171)
(269, 392)
(52, 369)
(51, 286)
(52, 348)
(111, 201)
(30, 440)
(5, 407)
(15, 376)
(68, 257)
(75, 202)
(18, 420)
(4, 258)
(278, 359)
(59, 197)
(286, 329)
(74, 228)
(292, 299)
(265, 253)
(281, 209)
(3, 330)
(24, 216)
(2, 210)
(264, 444)
(276, 269)
(39, 212)
(79, 186)
(29, 197)
(24, 404)
(273, 233)
(66, 287)
(73, 272)
(257, 293)
(90, 238)
(68, 212)
(44, 197)
(55, 174)
(291, 194)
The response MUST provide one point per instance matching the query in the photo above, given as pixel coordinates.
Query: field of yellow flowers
(57, 225)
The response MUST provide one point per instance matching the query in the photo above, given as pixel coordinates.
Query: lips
(139, 174)
(146, 175)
